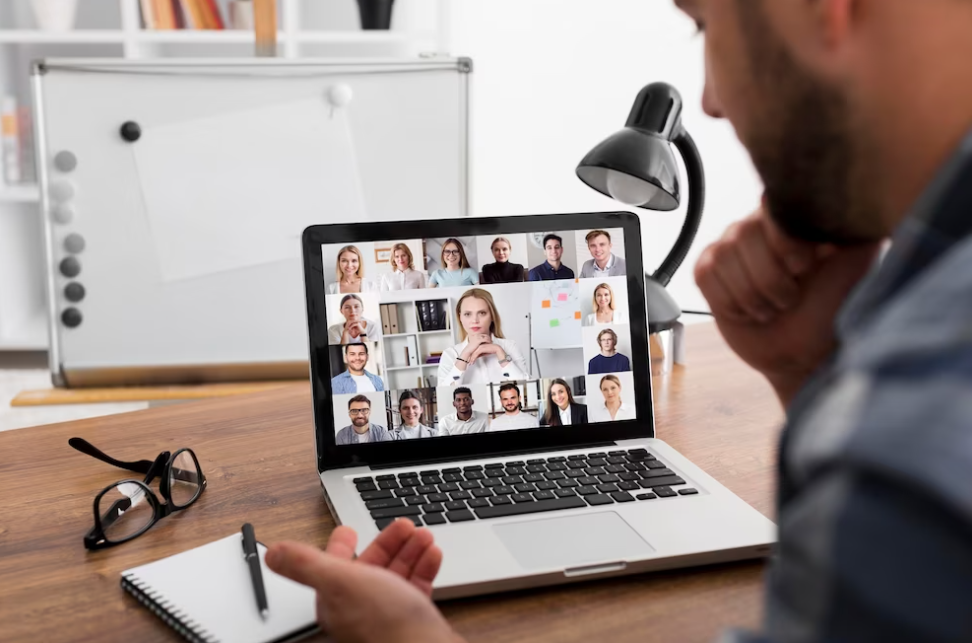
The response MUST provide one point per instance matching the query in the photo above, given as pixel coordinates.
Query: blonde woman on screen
(405, 276)
(484, 355)
(613, 409)
(350, 273)
(605, 311)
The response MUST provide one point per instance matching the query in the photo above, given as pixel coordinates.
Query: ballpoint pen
(253, 560)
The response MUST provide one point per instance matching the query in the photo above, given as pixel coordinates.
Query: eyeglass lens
(125, 510)
(359, 411)
(183, 479)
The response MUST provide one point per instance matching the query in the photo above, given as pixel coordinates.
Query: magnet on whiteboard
(71, 317)
(74, 243)
(63, 213)
(70, 267)
(65, 161)
(339, 95)
(62, 190)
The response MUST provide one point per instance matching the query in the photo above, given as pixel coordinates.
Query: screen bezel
(332, 456)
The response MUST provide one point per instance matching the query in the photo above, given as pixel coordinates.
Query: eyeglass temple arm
(82, 445)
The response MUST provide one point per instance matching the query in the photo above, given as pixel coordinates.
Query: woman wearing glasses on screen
(613, 409)
(484, 354)
(456, 270)
(356, 327)
(350, 273)
(501, 271)
(405, 277)
(561, 409)
(605, 312)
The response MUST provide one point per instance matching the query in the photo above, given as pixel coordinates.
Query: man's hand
(774, 298)
(381, 596)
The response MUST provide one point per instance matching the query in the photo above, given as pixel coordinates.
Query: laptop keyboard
(499, 489)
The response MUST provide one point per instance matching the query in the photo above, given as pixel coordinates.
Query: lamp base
(663, 312)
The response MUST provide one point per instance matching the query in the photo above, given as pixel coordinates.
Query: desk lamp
(637, 167)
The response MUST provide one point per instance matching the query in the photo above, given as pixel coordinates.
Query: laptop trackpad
(572, 540)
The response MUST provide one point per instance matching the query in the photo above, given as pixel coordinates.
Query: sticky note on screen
(545, 304)
(554, 323)
(562, 296)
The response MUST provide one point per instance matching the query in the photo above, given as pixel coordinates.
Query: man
(552, 268)
(512, 418)
(610, 360)
(361, 431)
(602, 263)
(410, 408)
(356, 379)
(857, 114)
(464, 421)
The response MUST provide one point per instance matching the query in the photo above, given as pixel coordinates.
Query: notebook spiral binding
(162, 608)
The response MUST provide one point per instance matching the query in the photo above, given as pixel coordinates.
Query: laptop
(487, 378)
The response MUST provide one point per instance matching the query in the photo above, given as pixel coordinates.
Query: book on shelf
(10, 141)
(425, 315)
(393, 318)
(411, 351)
(385, 326)
(165, 15)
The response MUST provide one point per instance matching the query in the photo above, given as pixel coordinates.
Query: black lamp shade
(635, 168)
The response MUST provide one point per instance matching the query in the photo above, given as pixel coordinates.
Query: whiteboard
(191, 233)
(555, 314)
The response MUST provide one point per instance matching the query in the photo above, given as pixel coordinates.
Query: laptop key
(426, 488)
(438, 497)
(415, 500)
(409, 482)
(360, 480)
(577, 473)
(515, 463)
(635, 466)
(597, 462)
(375, 495)
(577, 456)
(388, 484)
(452, 477)
(384, 522)
(530, 507)
(626, 485)
(656, 473)
(478, 502)
(500, 500)
(599, 499)
(536, 461)
(544, 495)
(431, 480)
(564, 493)
(535, 468)
(495, 465)
(384, 503)
(430, 472)
(407, 491)
(595, 471)
(588, 481)
(629, 476)
(586, 490)
(495, 474)
(434, 519)
(387, 476)
(616, 460)
(546, 486)
(452, 470)
(576, 464)
(616, 452)
(655, 464)
(460, 516)
(470, 484)
(568, 484)
(665, 481)
(645, 496)
(433, 508)
(554, 475)
(446, 487)
(524, 488)
(460, 495)
(515, 471)
(615, 468)
(622, 496)
(522, 497)
(481, 493)
(664, 492)
(609, 477)
(396, 512)
(607, 487)
(504, 490)
(408, 474)
(687, 492)
(475, 475)
(473, 467)
(533, 477)
(512, 480)
(364, 487)
(557, 459)
(455, 505)
(492, 482)
(556, 466)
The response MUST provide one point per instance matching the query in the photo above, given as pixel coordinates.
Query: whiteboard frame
(150, 374)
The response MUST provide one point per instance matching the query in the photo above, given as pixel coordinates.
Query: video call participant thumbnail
(561, 409)
(552, 268)
(612, 408)
(361, 430)
(456, 270)
(501, 271)
(405, 276)
(410, 408)
(349, 273)
(605, 310)
(356, 327)
(484, 354)
(513, 417)
(465, 420)
(609, 361)
(603, 262)
(356, 379)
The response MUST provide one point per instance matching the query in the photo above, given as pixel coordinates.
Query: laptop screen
(436, 337)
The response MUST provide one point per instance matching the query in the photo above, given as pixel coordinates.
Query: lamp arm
(696, 204)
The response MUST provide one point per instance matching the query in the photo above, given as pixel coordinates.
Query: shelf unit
(112, 29)
(398, 372)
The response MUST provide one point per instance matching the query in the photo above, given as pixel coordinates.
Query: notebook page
(211, 586)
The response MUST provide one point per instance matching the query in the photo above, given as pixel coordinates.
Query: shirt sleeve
(517, 368)
(534, 274)
(447, 373)
(434, 278)
(473, 276)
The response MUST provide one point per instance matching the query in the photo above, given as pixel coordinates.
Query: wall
(552, 78)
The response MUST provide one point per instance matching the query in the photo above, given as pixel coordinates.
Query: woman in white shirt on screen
(605, 312)
(613, 409)
(484, 354)
(356, 327)
(350, 273)
(405, 277)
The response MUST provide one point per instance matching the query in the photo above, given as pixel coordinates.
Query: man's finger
(302, 563)
(404, 561)
(383, 549)
(797, 255)
(765, 270)
(342, 543)
(720, 300)
(426, 569)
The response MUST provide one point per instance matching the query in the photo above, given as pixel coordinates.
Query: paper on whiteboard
(556, 314)
(237, 190)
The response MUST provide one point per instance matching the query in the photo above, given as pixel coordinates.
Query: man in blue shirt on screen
(552, 268)
(356, 379)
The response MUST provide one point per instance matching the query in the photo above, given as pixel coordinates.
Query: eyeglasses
(126, 509)
(450, 252)
(359, 411)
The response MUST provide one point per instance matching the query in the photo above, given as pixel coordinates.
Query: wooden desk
(258, 454)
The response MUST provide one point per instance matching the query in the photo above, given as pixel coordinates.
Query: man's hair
(608, 331)
(409, 395)
(362, 344)
(510, 386)
(461, 389)
(552, 236)
(597, 233)
(359, 398)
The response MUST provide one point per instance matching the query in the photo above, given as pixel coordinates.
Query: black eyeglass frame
(160, 467)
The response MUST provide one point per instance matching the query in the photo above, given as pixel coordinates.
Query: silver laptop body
(537, 497)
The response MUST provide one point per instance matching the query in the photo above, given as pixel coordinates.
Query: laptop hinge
(499, 454)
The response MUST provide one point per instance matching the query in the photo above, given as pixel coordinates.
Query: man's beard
(814, 162)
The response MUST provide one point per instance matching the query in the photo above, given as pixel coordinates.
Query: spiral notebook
(205, 594)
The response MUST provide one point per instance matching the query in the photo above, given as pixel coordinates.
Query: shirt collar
(610, 263)
(937, 222)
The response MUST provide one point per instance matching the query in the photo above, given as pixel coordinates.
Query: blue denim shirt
(344, 383)
(875, 469)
